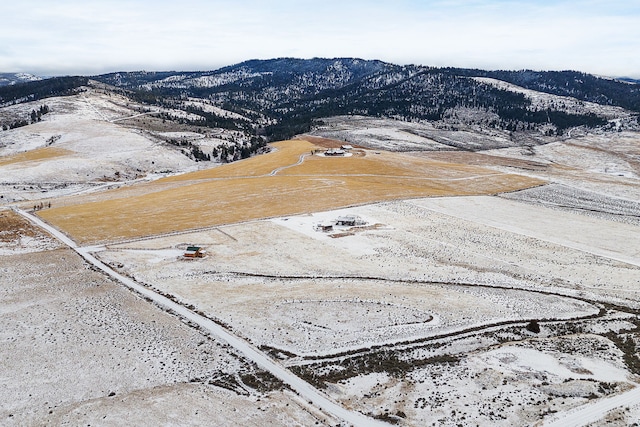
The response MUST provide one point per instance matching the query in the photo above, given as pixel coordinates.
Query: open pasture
(420, 273)
(288, 181)
(79, 349)
(38, 154)
(18, 236)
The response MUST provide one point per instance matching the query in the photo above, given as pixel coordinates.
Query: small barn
(194, 252)
(325, 228)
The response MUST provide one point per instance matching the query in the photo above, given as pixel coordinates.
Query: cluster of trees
(15, 124)
(193, 150)
(226, 152)
(35, 116)
(212, 120)
(198, 155)
(238, 150)
(514, 119)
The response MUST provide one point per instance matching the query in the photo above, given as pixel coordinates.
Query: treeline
(33, 91)
(238, 150)
(205, 119)
(35, 116)
(136, 78)
(429, 95)
(212, 120)
(582, 86)
(522, 119)
(226, 152)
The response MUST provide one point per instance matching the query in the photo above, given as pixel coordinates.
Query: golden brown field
(250, 189)
(34, 155)
(284, 153)
(12, 226)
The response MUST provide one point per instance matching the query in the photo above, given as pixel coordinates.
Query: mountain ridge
(282, 97)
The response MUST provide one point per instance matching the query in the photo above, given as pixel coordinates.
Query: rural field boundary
(303, 388)
(288, 181)
(416, 342)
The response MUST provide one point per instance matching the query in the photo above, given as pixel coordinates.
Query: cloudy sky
(60, 37)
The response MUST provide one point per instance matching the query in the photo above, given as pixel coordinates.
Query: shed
(194, 252)
(324, 227)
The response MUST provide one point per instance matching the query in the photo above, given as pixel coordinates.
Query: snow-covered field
(394, 135)
(519, 384)
(427, 280)
(99, 150)
(606, 164)
(590, 203)
(414, 245)
(79, 349)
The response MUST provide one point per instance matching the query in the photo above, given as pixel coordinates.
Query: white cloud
(73, 36)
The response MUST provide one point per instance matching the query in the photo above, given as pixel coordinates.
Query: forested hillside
(39, 89)
(289, 94)
(279, 98)
(578, 85)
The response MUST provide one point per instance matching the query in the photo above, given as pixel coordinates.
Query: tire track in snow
(591, 412)
(281, 168)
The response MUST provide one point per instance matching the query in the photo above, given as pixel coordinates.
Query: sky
(88, 37)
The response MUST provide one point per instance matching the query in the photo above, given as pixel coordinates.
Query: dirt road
(305, 390)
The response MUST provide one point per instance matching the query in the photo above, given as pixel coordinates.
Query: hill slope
(276, 99)
(286, 95)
